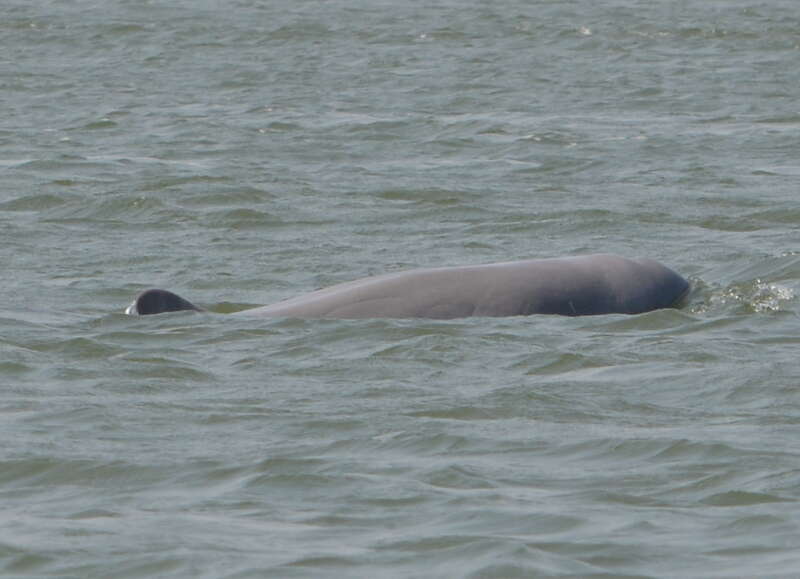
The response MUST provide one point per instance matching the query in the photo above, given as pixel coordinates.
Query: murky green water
(243, 152)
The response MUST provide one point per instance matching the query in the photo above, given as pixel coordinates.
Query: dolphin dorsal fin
(158, 301)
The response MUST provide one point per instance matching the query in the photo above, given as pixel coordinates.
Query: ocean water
(243, 152)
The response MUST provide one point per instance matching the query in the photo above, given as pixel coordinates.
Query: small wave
(757, 296)
(737, 498)
(36, 202)
(122, 209)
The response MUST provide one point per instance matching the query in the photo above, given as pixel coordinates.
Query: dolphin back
(572, 286)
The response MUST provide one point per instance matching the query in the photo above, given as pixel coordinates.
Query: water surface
(244, 152)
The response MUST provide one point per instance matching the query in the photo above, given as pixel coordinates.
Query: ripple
(742, 499)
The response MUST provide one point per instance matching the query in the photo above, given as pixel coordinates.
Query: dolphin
(569, 286)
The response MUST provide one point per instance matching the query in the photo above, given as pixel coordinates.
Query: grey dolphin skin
(569, 286)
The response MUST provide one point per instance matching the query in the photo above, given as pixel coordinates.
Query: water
(243, 152)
